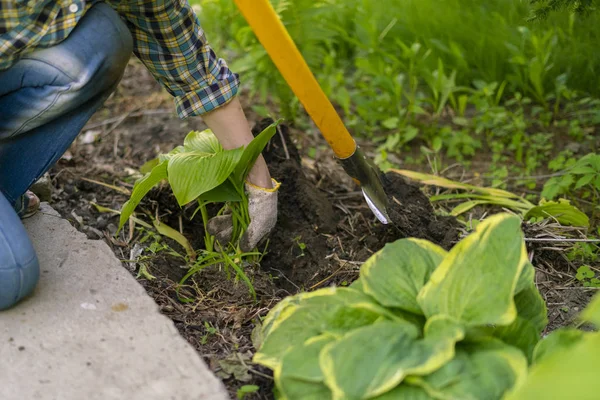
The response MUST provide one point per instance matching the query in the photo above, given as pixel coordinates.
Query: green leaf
(176, 150)
(569, 373)
(525, 331)
(562, 211)
(204, 142)
(302, 361)
(141, 187)
(334, 311)
(391, 123)
(434, 180)
(559, 340)
(484, 370)
(584, 180)
(592, 311)
(299, 376)
(582, 169)
(405, 392)
(149, 165)
(194, 173)
(395, 274)
(297, 389)
(585, 272)
(252, 151)
(526, 278)
(171, 233)
(466, 206)
(476, 281)
(386, 353)
(246, 389)
(331, 296)
(225, 192)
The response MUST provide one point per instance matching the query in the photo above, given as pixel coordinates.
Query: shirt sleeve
(170, 42)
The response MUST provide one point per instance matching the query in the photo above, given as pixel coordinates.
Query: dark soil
(325, 230)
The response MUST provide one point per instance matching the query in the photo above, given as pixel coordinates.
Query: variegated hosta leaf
(525, 331)
(395, 274)
(592, 311)
(373, 360)
(568, 372)
(328, 311)
(484, 370)
(299, 376)
(476, 281)
(557, 341)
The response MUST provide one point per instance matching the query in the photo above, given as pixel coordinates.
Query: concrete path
(91, 332)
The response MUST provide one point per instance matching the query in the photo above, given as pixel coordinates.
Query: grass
(491, 41)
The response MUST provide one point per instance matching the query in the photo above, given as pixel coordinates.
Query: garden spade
(274, 37)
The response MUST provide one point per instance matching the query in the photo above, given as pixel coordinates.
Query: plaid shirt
(167, 38)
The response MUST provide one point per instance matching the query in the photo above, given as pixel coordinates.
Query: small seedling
(143, 272)
(245, 390)
(210, 330)
(301, 245)
(586, 276)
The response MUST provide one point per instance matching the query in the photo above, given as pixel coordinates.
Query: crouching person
(60, 61)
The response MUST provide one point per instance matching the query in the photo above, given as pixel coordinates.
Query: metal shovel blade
(368, 176)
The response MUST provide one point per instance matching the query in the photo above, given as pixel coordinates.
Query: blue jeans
(46, 98)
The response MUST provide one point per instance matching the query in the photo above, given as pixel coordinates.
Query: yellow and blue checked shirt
(167, 38)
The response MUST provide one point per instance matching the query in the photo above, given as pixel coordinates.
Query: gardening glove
(262, 208)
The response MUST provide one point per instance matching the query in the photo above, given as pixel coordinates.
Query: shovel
(274, 37)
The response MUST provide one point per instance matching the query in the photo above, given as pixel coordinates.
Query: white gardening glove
(262, 208)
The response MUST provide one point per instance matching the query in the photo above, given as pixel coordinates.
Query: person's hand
(262, 208)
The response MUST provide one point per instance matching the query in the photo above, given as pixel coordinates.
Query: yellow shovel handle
(281, 48)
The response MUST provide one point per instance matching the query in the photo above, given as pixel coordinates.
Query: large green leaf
(395, 274)
(193, 173)
(526, 278)
(570, 373)
(331, 296)
(532, 318)
(149, 165)
(313, 314)
(592, 311)
(297, 389)
(405, 392)
(374, 359)
(476, 281)
(164, 157)
(485, 370)
(299, 376)
(203, 141)
(141, 187)
(557, 341)
(225, 192)
(302, 361)
(252, 151)
(563, 211)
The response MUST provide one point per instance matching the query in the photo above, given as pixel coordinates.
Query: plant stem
(208, 238)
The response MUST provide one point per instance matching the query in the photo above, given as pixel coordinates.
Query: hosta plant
(419, 323)
(566, 363)
(201, 171)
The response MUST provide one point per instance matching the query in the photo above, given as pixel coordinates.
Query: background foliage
(458, 78)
